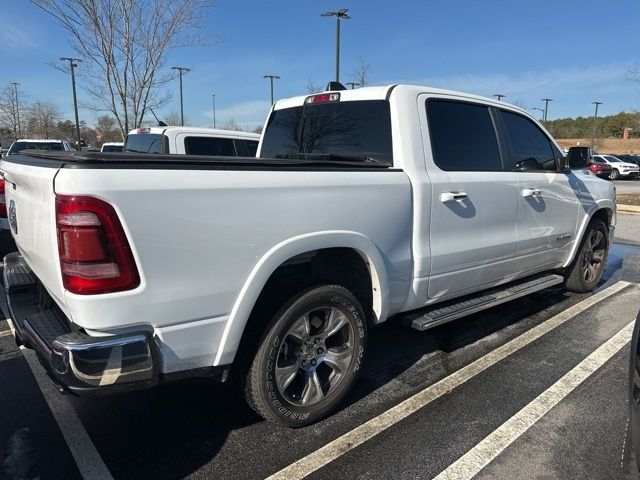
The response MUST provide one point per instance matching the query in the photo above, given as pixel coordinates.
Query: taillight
(322, 98)
(95, 256)
(3, 202)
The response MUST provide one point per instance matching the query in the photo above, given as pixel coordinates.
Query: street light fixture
(541, 110)
(499, 96)
(595, 117)
(181, 71)
(213, 95)
(271, 78)
(15, 86)
(354, 84)
(340, 14)
(73, 63)
(546, 107)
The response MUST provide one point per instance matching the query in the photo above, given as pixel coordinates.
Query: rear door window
(463, 137)
(218, 147)
(340, 131)
(531, 149)
(146, 143)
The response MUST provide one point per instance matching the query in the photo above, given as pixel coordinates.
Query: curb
(628, 208)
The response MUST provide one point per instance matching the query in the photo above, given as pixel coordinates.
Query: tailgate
(30, 201)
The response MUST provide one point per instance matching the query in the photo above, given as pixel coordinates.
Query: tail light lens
(95, 256)
(3, 202)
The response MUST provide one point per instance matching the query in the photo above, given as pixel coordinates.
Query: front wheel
(587, 268)
(615, 175)
(309, 357)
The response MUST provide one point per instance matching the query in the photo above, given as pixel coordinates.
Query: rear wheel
(587, 268)
(309, 357)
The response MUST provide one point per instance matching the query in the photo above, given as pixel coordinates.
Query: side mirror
(578, 158)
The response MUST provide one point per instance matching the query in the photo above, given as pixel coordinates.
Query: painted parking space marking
(347, 442)
(472, 462)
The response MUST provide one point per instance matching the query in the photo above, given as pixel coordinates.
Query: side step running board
(439, 314)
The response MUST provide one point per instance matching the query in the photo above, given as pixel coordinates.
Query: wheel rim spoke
(301, 329)
(335, 321)
(312, 392)
(596, 238)
(598, 256)
(285, 375)
(589, 272)
(339, 358)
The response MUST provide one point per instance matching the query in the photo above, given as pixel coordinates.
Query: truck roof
(383, 92)
(119, 144)
(38, 140)
(214, 132)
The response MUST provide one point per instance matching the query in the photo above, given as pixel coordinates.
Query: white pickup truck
(361, 205)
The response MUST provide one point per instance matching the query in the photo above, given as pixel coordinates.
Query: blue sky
(569, 50)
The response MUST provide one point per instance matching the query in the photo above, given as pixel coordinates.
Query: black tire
(580, 278)
(282, 383)
(631, 452)
(615, 175)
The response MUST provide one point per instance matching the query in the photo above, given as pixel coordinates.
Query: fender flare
(286, 250)
(602, 204)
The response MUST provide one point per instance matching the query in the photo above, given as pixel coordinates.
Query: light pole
(595, 117)
(340, 14)
(181, 71)
(271, 78)
(73, 65)
(213, 95)
(546, 107)
(541, 110)
(15, 86)
(499, 96)
(354, 84)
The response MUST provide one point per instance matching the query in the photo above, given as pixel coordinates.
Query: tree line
(611, 126)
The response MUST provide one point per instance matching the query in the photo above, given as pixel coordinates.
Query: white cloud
(247, 114)
(14, 38)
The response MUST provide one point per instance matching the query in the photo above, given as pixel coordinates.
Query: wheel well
(339, 266)
(605, 215)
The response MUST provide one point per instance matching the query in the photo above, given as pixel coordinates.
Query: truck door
(548, 203)
(472, 232)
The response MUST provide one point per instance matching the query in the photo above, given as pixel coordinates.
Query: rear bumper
(75, 361)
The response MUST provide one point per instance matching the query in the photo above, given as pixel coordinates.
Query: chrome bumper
(75, 361)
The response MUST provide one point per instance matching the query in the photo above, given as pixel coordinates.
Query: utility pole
(181, 70)
(546, 107)
(19, 132)
(354, 84)
(271, 78)
(340, 14)
(595, 117)
(213, 95)
(499, 96)
(73, 65)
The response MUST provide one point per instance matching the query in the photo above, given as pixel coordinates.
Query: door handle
(452, 196)
(531, 192)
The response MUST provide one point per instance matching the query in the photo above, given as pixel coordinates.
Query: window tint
(145, 143)
(462, 136)
(611, 158)
(17, 147)
(253, 147)
(220, 147)
(359, 130)
(530, 148)
(598, 160)
(111, 148)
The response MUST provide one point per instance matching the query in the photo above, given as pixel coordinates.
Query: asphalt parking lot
(489, 396)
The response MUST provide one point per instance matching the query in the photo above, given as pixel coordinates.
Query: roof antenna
(334, 86)
(160, 122)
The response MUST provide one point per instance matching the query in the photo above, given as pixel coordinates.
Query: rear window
(462, 136)
(145, 143)
(219, 147)
(17, 147)
(112, 148)
(253, 147)
(358, 130)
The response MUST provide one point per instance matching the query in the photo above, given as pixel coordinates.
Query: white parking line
(88, 460)
(373, 427)
(472, 462)
(5, 333)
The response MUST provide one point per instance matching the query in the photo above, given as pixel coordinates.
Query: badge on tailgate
(13, 220)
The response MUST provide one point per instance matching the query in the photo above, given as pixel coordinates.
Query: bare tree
(173, 118)
(107, 129)
(361, 74)
(124, 45)
(313, 87)
(231, 124)
(41, 119)
(9, 112)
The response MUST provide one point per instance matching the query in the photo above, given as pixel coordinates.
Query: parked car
(361, 205)
(600, 167)
(630, 158)
(192, 141)
(112, 147)
(620, 169)
(39, 144)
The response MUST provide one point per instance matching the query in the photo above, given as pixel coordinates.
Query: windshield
(112, 148)
(611, 158)
(17, 147)
(358, 131)
(145, 143)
